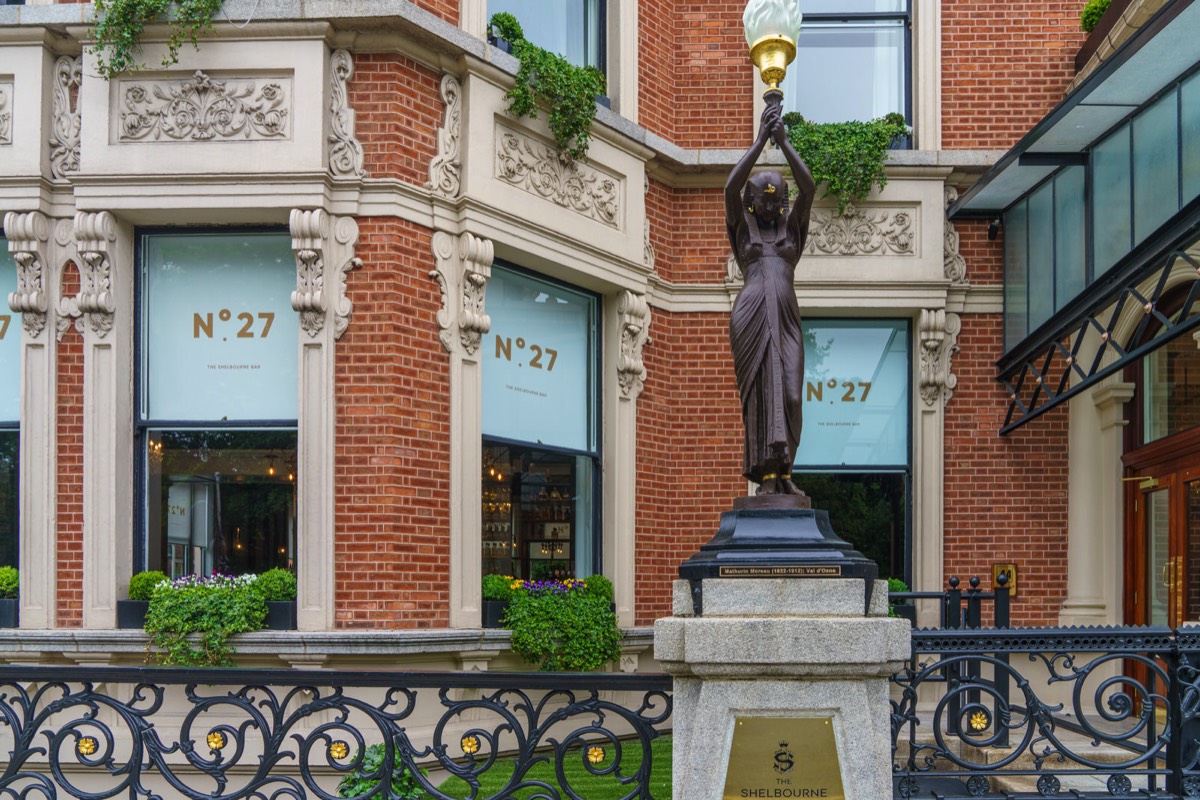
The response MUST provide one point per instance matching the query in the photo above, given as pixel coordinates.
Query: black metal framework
(234, 734)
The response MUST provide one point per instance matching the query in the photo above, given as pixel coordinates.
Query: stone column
(790, 648)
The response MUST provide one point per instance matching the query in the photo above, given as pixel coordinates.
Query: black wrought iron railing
(230, 734)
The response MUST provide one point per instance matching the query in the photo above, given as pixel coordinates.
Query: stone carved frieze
(446, 167)
(27, 236)
(64, 136)
(6, 90)
(937, 332)
(345, 152)
(94, 234)
(463, 267)
(861, 232)
(635, 331)
(202, 109)
(314, 234)
(954, 264)
(540, 170)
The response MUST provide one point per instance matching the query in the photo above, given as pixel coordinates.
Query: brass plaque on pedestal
(783, 757)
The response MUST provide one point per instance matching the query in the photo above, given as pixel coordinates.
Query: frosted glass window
(1111, 223)
(1189, 127)
(1070, 258)
(850, 71)
(1016, 316)
(1041, 255)
(571, 28)
(1155, 166)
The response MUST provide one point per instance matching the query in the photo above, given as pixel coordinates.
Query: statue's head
(766, 197)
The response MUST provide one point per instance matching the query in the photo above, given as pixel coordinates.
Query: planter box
(9, 613)
(281, 615)
(132, 613)
(906, 611)
(493, 612)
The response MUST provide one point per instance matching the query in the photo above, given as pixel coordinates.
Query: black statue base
(776, 536)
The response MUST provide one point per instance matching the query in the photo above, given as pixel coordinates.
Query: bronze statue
(764, 328)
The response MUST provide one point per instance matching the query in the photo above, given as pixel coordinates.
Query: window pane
(539, 362)
(868, 510)
(219, 336)
(1190, 127)
(1171, 389)
(220, 501)
(1041, 255)
(1016, 276)
(10, 341)
(852, 6)
(568, 27)
(1110, 200)
(856, 409)
(538, 513)
(1070, 259)
(847, 72)
(9, 531)
(1155, 166)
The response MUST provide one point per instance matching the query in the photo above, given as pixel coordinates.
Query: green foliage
(370, 772)
(561, 626)
(567, 90)
(895, 585)
(1092, 12)
(599, 586)
(191, 619)
(497, 587)
(847, 157)
(141, 585)
(276, 585)
(121, 23)
(9, 583)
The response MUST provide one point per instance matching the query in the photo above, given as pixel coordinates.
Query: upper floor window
(574, 28)
(10, 410)
(852, 61)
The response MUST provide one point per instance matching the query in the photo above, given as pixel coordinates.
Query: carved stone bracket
(201, 109)
(861, 232)
(94, 236)
(648, 254)
(955, 264)
(635, 332)
(345, 152)
(64, 138)
(6, 112)
(311, 245)
(938, 335)
(464, 265)
(68, 305)
(538, 169)
(445, 168)
(345, 232)
(27, 237)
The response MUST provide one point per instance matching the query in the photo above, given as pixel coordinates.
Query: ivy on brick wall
(121, 23)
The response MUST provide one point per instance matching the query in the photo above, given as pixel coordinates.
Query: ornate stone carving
(541, 171)
(68, 305)
(94, 234)
(345, 153)
(464, 265)
(635, 331)
(445, 169)
(345, 231)
(64, 138)
(27, 235)
(955, 264)
(938, 334)
(6, 112)
(201, 109)
(648, 254)
(312, 247)
(861, 232)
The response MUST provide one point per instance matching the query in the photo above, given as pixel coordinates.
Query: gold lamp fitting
(772, 54)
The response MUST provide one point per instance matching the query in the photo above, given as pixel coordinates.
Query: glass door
(1166, 511)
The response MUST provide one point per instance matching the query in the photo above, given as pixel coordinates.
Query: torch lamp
(772, 28)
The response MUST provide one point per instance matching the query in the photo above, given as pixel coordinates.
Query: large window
(217, 399)
(574, 28)
(860, 49)
(540, 451)
(10, 410)
(854, 456)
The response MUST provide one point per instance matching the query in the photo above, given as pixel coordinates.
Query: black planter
(132, 613)
(281, 615)
(503, 45)
(906, 611)
(493, 612)
(9, 613)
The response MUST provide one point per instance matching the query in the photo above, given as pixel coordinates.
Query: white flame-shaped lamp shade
(772, 28)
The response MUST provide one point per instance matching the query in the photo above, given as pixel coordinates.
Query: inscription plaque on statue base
(783, 757)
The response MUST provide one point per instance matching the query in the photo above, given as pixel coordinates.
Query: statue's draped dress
(768, 347)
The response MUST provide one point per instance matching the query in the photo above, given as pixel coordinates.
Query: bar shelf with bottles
(499, 547)
(547, 520)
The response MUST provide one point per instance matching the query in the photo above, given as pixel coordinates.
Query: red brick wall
(714, 100)
(656, 72)
(446, 9)
(393, 438)
(1004, 65)
(70, 469)
(398, 111)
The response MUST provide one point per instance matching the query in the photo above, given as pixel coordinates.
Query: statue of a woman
(764, 328)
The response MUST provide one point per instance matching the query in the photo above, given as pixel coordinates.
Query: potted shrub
(562, 625)
(131, 613)
(278, 589)
(369, 774)
(497, 592)
(9, 588)
(191, 619)
(901, 608)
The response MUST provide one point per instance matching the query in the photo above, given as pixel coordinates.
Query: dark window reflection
(9, 452)
(868, 510)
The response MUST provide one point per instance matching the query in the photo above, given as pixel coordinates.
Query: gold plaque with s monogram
(783, 757)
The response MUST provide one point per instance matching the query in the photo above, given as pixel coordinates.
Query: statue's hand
(772, 117)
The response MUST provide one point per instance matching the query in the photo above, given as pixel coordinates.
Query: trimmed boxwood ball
(276, 585)
(9, 583)
(141, 585)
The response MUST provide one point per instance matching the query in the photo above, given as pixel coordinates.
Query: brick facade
(70, 469)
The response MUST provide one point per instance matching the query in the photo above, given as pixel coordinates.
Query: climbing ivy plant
(567, 90)
(846, 157)
(121, 23)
